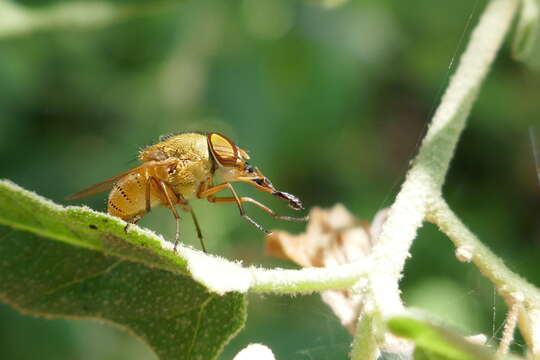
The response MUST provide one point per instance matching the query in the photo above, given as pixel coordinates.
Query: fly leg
(148, 207)
(263, 207)
(209, 194)
(165, 189)
(186, 207)
(132, 221)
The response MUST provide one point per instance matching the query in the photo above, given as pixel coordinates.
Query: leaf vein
(198, 324)
(78, 281)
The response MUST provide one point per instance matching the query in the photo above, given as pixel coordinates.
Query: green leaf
(526, 44)
(434, 342)
(81, 226)
(95, 270)
(84, 227)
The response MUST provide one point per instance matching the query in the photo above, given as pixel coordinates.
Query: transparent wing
(104, 185)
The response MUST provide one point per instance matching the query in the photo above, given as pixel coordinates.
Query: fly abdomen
(128, 196)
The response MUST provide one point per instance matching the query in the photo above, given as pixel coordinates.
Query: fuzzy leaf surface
(54, 264)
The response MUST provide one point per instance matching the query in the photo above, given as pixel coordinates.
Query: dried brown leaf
(333, 237)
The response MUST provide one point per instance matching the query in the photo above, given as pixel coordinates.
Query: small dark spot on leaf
(92, 226)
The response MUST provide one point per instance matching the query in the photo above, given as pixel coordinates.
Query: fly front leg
(209, 194)
(263, 207)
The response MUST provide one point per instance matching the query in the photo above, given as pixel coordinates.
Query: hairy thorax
(195, 164)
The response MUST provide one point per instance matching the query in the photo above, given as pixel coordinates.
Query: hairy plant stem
(506, 282)
(509, 326)
(307, 280)
(423, 184)
(365, 347)
(521, 297)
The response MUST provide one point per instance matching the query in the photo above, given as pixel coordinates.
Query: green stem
(508, 284)
(365, 347)
(506, 281)
(308, 279)
(425, 179)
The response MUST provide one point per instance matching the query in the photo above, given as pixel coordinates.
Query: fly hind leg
(186, 207)
(171, 199)
(132, 221)
(148, 205)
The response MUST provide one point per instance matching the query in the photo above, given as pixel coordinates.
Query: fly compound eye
(223, 150)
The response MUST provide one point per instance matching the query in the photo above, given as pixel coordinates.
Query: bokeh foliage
(330, 102)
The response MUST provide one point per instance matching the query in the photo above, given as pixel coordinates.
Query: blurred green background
(330, 101)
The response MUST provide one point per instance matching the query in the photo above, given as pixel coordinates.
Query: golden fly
(180, 168)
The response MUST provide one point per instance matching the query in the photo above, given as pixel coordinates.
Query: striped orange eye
(223, 149)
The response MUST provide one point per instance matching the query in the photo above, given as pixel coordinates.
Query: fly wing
(102, 185)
